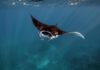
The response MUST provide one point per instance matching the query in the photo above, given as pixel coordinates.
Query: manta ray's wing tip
(77, 34)
(83, 37)
(80, 35)
(31, 15)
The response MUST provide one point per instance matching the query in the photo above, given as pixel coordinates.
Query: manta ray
(51, 31)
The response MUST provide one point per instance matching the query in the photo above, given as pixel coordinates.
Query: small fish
(51, 31)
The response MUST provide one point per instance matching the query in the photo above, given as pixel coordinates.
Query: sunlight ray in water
(51, 2)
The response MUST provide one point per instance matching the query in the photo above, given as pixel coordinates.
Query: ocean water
(22, 49)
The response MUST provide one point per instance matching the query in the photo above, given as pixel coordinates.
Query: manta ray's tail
(77, 34)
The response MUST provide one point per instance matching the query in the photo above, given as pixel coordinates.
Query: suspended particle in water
(13, 3)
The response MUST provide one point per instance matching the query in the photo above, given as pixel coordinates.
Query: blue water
(22, 49)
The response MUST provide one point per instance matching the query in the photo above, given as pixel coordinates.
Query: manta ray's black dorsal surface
(51, 31)
(44, 27)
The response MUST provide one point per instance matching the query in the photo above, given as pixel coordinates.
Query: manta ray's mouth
(47, 34)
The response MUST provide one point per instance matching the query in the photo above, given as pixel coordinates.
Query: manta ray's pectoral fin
(39, 25)
(76, 34)
(60, 32)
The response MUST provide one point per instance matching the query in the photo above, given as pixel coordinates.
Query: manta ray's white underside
(43, 36)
